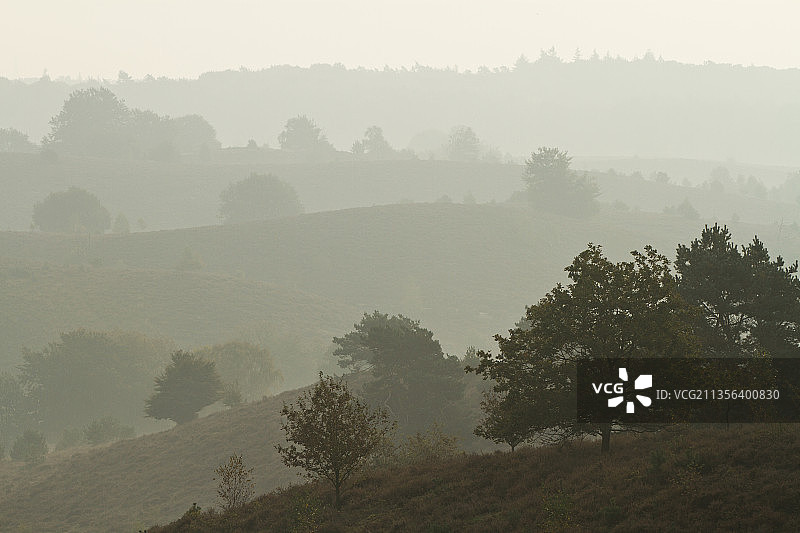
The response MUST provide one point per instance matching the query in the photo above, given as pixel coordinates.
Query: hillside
(466, 271)
(681, 479)
(128, 485)
(192, 308)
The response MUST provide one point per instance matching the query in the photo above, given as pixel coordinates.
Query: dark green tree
(608, 310)
(301, 134)
(749, 302)
(188, 384)
(72, 211)
(259, 197)
(411, 375)
(331, 433)
(552, 185)
(30, 447)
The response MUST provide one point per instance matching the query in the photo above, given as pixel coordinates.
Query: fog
(376, 245)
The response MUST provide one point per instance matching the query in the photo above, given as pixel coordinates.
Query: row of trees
(94, 122)
(722, 301)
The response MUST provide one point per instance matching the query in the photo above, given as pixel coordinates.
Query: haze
(91, 38)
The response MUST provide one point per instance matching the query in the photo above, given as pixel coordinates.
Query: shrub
(430, 445)
(70, 438)
(30, 447)
(107, 429)
(236, 485)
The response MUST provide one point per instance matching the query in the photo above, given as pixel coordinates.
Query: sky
(184, 38)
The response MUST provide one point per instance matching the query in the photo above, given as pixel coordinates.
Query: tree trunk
(606, 442)
(338, 500)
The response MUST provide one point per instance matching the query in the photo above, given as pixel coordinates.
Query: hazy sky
(97, 38)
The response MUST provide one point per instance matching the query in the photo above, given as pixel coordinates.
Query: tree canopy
(463, 144)
(259, 197)
(301, 134)
(72, 211)
(552, 185)
(188, 384)
(330, 432)
(609, 310)
(411, 375)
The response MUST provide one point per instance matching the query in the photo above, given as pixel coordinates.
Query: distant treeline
(593, 104)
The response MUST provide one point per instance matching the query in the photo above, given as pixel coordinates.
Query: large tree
(412, 377)
(301, 134)
(188, 384)
(330, 432)
(609, 310)
(554, 186)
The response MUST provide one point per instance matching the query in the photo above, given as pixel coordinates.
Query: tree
(331, 432)
(748, 301)
(14, 407)
(609, 310)
(412, 377)
(30, 447)
(552, 185)
(373, 145)
(301, 134)
(72, 211)
(188, 384)
(250, 367)
(12, 140)
(92, 121)
(506, 419)
(235, 487)
(259, 197)
(463, 144)
(65, 379)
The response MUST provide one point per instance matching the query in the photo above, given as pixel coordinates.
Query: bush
(107, 429)
(30, 447)
(427, 446)
(70, 438)
(72, 211)
(259, 197)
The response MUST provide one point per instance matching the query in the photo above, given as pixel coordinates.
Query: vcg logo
(644, 381)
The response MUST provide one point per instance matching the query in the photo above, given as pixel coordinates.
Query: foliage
(12, 140)
(463, 144)
(306, 512)
(332, 432)
(430, 445)
(188, 384)
(413, 378)
(70, 438)
(506, 418)
(72, 211)
(609, 310)
(375, 147)
(14, 407)
(66, 378)
(96, 122)
(301, 134)
(259, 197)
(121, 225)
(106, 429)
(249, 366)
(235, 483)
(30, 447)
(553, 186)
(92, 121)
(748, 301)
(684, 209)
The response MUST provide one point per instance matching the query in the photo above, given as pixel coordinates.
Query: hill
(466, 271)
(41, 300)
(681, 479)
(131, 484)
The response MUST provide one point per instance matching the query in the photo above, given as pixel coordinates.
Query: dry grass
(711, 479)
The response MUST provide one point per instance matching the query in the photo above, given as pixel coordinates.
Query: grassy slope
(466, 271)
(192, 308)
(130, 484)
(713, 479)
